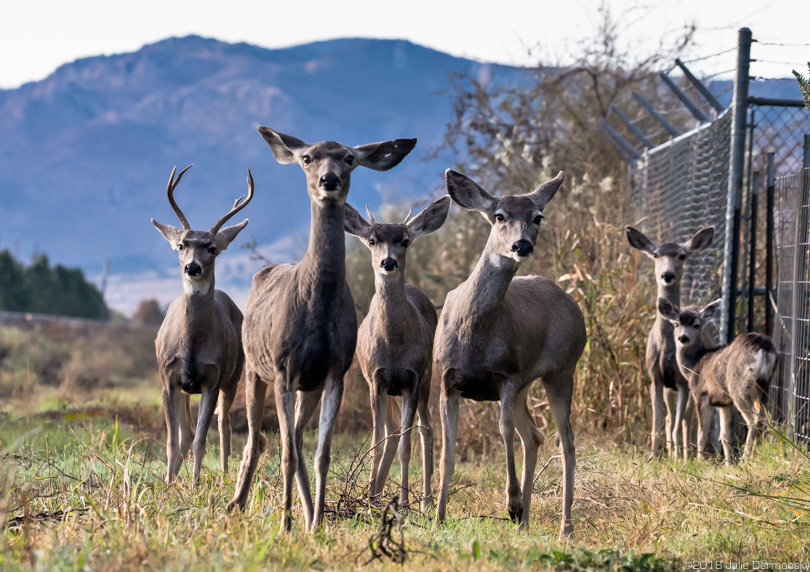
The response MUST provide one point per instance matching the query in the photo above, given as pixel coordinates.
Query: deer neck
(323, 267)
(487, 285)
(392, 305)
(689, 358)
(198, 307)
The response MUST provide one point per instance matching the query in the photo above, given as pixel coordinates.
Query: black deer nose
(193, 269)
(389, 264)
(523, 248)
(330, 182)
(668, 277)
(683, 339)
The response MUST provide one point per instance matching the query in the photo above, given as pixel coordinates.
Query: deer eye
(349, 160)
(180, 247)
(306, 159)
(538, 218)
(371, 242)
(499, 217)
(654, 255)
(406, 243)
(682, 257)
(212, 250)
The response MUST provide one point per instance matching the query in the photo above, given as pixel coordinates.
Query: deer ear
(702, 239)
(668, 310)
(639, 240)
(353, 223)
(226, 235)
(285, 147)
(385, 155)
(545, 192)
(467, 194)
(431, 219)
(169, 232)
(712, 311)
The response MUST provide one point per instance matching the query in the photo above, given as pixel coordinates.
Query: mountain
(85, 154)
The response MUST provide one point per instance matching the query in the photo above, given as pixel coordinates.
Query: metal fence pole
(736, 168)
(752, 264)
(769, 297)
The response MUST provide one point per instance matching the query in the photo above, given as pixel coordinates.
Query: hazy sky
(36, 36)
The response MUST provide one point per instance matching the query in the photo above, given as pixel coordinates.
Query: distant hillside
(86, 153)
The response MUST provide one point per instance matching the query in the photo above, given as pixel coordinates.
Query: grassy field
(81, 487)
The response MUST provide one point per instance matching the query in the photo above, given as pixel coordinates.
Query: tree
(804, 85)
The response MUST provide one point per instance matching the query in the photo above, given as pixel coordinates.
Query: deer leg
(285, 403)
(726, 418)
(448, 409)
(224, 418)
(255, 392)
(752, 420)
(409, 404)
(208, 402)
(670, 401)
(171, 410)
(679, 434)
(506, 424)
(379, 403)
(305, 405)
(426, 432)
(657, 395)
(532, 438)
(332, 396)
(393, 417)
(704, 416)
(690, 424)
(186, 425)
(560, 389)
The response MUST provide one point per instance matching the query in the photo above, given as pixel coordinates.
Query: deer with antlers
(497, 334)
(300, 327)
(395, 346)
(199, 346)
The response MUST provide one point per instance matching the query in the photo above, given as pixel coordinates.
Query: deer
(737, 375)
(498, 333)
(300, 328)
(199, 345)
(668, 386)
(395, 345)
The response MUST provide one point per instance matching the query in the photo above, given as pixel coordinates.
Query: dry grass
(84, 490)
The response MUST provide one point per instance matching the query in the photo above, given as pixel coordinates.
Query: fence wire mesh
(790, 389)
(682, 186)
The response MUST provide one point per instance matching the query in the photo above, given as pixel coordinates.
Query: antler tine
(170, 193)
(237, 205)
(407, 218)
(370, 216)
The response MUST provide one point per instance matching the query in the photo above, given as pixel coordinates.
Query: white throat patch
(196, 287)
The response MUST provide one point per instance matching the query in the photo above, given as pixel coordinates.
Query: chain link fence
(682, 186)
(790, 389)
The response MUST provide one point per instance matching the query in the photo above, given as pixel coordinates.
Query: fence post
(769, 298)
(752, 264)
(797, 297)
(736, 167)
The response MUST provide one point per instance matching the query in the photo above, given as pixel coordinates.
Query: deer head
(515, 219)
(328, 165)
(197, 249)
(669, 256)
(389, 242)
(688, 322)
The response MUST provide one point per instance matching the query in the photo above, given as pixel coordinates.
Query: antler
(170, 193)
(370, 216)
(407, 218)
(238, 205)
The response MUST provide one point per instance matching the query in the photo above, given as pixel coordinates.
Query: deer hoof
(516, 513)
(233, 505)
(567, 532)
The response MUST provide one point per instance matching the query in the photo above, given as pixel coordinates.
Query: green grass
(630, 512)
